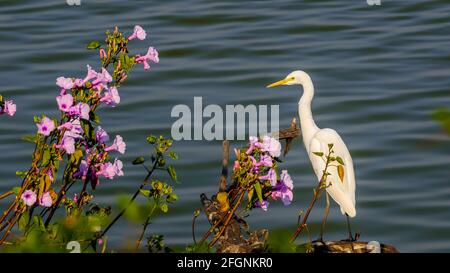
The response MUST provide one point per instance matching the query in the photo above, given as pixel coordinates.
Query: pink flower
(79, 82)
(236, 165)
(272, 146)
(67, 143)
(271, 176)
(29, 197)
(102, 78)
(46, 126)
(80, 110)
(102, 53)
(46, 200)
(109, 170)
(75, 198)
(283, 190)
(253, 143)
(90, 74)
(118, 165)
(118, 145)
(64, 102)
(101, 135)
(139, 33)
(152, 55)
(263, 205)
(266, 161)
(73, 128)
(9, 108)
(66, 126)
(64, 83)
(111, 97)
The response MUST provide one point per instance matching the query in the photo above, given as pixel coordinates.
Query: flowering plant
(74, 149)
(7, 107)
(256, 169)
(255, 174)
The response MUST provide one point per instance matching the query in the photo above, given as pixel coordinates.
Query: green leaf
(164, 208)
(16, 190)
(442, 115)
(151, 139)
(172, 173)
(318, 153)
(172, 197)
(94, 117)
(138, 160)
(173, 155)
(330, 146)
(45, 157)
(30, 138)
(338, 159)
(21, 173)
(88, 129)
(37, 219)
(23, 220)
(258, 190)
(145, 193)
(93, 45)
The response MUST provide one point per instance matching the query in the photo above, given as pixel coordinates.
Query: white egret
(340, 186)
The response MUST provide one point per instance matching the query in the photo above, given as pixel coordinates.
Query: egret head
(298, 77)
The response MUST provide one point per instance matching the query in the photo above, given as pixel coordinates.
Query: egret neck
(307, 124)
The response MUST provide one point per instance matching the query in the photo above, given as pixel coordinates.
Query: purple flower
(272, 146)
(29, 197)
(152, 55)
(90, 74)
(283, 190)
(46, 200)
(67, 143)
(118, 145)
(255, 165)
(263, 205)
(111, 97)
(109, 170)
(73, 128)
(271, 176)
(9, 108)
(139, 33)
(80, 110)
(64, 102)
(118, 165)
(102, 78)
(82, 170)
(253, 143)
(50, 175)
(79, 82)
(46, 126)
(266, 161)
(101, 135)
(64, 83)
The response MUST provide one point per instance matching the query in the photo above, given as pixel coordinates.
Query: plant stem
(147, 222)
(313, 201)
(228, 219)
(121, 213)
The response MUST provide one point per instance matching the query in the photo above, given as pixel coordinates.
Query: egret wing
(340, 182)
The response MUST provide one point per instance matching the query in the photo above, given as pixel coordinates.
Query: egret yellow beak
(283, 81)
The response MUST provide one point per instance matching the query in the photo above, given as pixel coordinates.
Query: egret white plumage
(340, 186)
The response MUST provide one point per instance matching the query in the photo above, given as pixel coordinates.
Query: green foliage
(200, 248)
(93, 45)
(280, 241)
(442, 115)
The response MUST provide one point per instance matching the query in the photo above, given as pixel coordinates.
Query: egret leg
(324, 221)
(350, 234)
